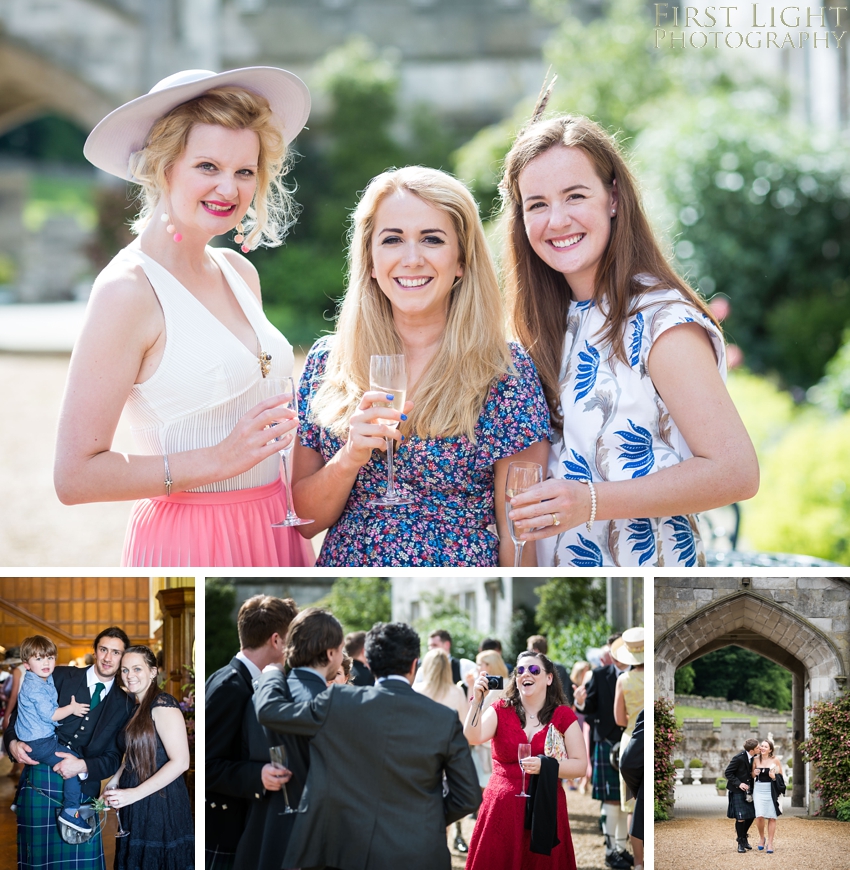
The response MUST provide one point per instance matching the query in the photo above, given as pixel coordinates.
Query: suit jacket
(101, 752)
(267, 832)
(739, 769)
(361, 675)
(599, 705)
(374, 794)
(232, 779)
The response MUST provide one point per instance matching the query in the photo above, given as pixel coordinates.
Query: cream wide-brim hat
(123, 132)
(628, 648)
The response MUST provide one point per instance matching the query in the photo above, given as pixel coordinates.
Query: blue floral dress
(450, 480)
(616, 427)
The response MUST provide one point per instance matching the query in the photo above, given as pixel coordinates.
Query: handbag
(555, 747)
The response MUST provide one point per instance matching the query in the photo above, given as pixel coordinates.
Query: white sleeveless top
(207, 378)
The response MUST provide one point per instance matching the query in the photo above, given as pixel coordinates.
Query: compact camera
(497, 683)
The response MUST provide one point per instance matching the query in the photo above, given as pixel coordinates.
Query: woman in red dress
(534, 700)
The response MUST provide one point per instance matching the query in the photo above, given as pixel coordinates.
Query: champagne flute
(121, 831)
(523, 751)
(277, 755)
(388, 375)
(521, 476)
(274, 387)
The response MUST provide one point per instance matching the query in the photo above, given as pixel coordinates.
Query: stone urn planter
(696, 771)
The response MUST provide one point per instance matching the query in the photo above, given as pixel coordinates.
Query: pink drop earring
(170, 228)
(239, 238)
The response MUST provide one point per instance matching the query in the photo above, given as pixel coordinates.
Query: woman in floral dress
(422, 283)
(631, 360)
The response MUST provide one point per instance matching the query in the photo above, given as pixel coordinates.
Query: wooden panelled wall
(72, 610)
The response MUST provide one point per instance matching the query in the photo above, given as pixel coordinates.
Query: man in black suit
(314, 651)
(92, 737)
(355, 648)
(374, 795)
(596, 701)
(739, 784)
(232, 779)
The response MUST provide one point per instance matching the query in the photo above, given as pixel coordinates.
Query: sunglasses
(534, 670)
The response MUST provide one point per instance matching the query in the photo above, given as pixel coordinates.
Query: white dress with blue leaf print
(616, 427)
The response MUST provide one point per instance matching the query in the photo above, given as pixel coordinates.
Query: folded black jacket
(541, 808)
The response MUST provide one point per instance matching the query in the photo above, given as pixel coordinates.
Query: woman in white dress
(767, 774)
(175, 329)
(631, 361)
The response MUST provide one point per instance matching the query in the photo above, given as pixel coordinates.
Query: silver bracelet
(592, 519)
(168, 480)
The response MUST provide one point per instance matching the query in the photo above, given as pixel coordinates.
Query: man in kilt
(93, 738)
(739, 784)
(596, 701)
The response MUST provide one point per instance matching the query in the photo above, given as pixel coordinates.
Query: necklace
(264, 358)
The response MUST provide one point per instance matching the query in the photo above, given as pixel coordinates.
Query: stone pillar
(178, 635)
(798, 724)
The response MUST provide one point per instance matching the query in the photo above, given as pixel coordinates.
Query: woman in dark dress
(533, 701)
(148, 788)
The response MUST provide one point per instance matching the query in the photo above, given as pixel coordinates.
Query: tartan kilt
(606, 780)
(39, 845)
(738, 808)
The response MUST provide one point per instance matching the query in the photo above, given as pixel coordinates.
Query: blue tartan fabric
(606, 780)
(739, 808)
(39, 845)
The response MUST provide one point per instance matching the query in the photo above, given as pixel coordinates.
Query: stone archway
(757, 621)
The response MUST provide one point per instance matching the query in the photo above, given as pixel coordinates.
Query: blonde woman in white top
(175, 329)
(436, 682)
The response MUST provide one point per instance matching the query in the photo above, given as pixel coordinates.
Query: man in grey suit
(374, 796)
(314, 651)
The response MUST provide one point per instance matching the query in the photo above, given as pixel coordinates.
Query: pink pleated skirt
(214, 529)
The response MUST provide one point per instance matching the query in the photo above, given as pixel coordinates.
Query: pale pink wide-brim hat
(123, 132)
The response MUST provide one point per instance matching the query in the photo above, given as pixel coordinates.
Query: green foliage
(565, 600)
(695, 762)
(666, 735)
(222, 639)
(684, 680)
(757, 212)
(721, 783)
(832, 393)
(661, 814)
(443, 613)
(359, 602)
(741, 675)
(828, 747)
(49, 138)
(678, 763)
(842, 810)
(569, 643)
(803, 505)
(685, 712)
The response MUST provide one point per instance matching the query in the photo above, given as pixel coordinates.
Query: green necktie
(95, 698)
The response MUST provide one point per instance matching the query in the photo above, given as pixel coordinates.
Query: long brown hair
(538, 297)
(554, 691)
(140, 732)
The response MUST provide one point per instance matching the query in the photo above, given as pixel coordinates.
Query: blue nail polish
(389, 397)
(402, 438)
(404, 416)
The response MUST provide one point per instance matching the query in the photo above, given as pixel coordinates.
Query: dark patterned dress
(450, 480)
(500, 840)
(160, 825)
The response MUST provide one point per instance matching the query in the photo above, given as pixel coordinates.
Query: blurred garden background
(743, 155)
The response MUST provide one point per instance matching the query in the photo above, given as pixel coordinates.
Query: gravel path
(800, 844)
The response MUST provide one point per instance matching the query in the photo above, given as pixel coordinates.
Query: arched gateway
(801, 623)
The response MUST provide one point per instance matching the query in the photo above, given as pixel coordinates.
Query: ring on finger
(555, 520)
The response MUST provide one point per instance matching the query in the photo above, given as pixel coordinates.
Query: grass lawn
(706, 713)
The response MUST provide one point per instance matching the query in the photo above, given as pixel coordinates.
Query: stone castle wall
(730, 706)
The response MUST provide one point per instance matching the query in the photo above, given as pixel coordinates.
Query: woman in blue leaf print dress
(631, 360)
(422, 283)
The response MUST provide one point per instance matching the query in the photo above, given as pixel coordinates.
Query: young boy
(38, 713)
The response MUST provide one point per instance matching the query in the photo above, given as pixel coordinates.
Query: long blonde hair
(492, 663)
(474, 350)
(273, 210)
(538, 297)
(436, 674)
